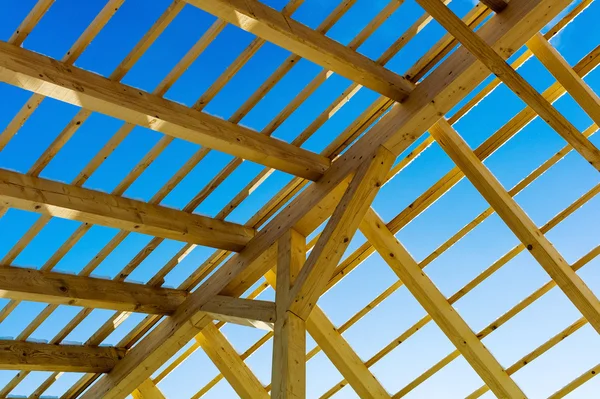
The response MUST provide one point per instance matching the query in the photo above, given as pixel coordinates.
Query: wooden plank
(339, 352)
(495, 5)
(566, 76)
(518, 221)
(31, 356)
(438, 307)
(277, 28)
(441, 90)
(148, 390)
(288, 375)
(343, 357)
(55, 79)
(338, 232)
(495, 63)
(89, 206)
(229, 363)
(247, 312)
(65, 289)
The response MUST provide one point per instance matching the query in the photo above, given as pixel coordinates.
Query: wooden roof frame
(336, 187)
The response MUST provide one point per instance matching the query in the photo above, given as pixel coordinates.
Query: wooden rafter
(434, 302)
(89, 206)
(518, 221)
(248, 312)
(566, 76)
(31, 356)
(51, 78)
(277, 28)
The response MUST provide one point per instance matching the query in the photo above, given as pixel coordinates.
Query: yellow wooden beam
(339, 352)
(338, 232)
(497, 65)
(32, 356)
(288, 376)
(247, 312)
(89, 206)
(43, 75)
(438, 307)
(566, 76)
(65, 289)
(148, 390)
(495, 5)
(229, 363)
(518, 221)
(277, 28)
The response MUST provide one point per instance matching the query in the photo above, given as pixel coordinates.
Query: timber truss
(296, 241)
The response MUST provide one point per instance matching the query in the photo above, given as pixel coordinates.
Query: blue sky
(555, 190)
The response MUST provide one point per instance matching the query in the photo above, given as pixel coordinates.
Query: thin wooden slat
(224, 356)
(30, 356)
(43, 75)
(495, 63)
(438, 307)
(576, 383)
(283, 31)
(89, 206)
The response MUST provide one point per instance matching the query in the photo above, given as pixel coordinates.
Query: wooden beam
(338, 232)
(277, 28)
(76, 203)
(339, 352)
(440, 91)
(495, 5)
(247, 312)
(229, 363)
(43, 75)
(518, 221)
(566, 76)
(148, 390)
(438, 307)
(31, 356)
(495, 63)
(288, 375)
(65, 289)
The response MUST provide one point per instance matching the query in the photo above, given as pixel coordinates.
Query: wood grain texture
(31, 356)
(247, 312)
(65, 289)
(76, 203)
(147, 390)
(277, 28)
(63, 82)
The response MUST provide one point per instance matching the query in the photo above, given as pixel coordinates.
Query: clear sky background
(556, 189)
